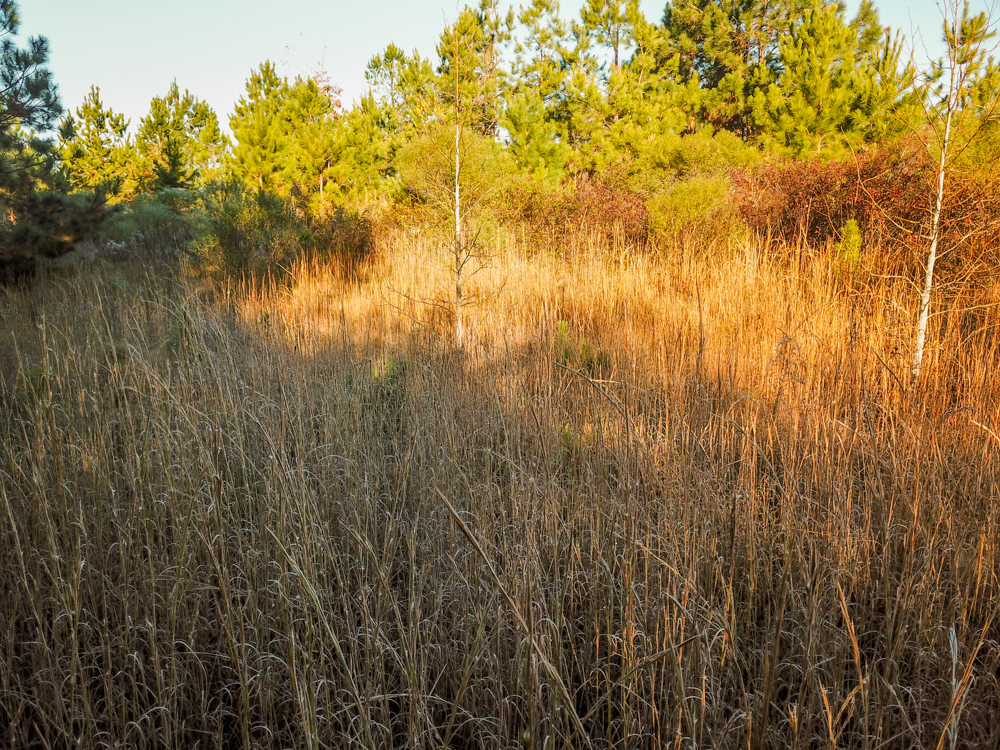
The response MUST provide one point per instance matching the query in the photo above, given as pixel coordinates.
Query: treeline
(724, 116)
(608, 93)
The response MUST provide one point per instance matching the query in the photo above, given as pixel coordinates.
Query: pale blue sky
(133, 49)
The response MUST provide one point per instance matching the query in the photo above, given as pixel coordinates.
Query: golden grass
(698, 508)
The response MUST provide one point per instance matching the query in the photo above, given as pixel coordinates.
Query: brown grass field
(651, 504)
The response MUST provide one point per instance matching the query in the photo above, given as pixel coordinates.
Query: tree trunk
(458, 238)
(925, 294)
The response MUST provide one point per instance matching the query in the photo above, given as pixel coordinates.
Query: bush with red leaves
(890, 193)
(809, 200)
(592, 209)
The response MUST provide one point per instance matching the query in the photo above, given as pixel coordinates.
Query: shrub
(427, 168)
(696, 211)
(346, 235)
(849, 247)
(246, 233)
(888, 195)
(157, 224)
(676, 188)
(592, 209)
(810, 200)
(680, 157)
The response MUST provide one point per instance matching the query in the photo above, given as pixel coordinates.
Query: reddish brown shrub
(594, 209)
(890, 193)
(886, 192)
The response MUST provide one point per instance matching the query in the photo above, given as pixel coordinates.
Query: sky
(134, 49)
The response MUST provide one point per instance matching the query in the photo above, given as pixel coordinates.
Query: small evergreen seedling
(849, 247)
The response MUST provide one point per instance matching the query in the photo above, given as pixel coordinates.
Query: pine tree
(543, 54)
(261, 132)
(726, 49)
(180, 141)
(96, 151)
(312, 112)
(363, 152)
(286, 136)
(810, 108)
(535, 141)
(37, 217)
(626, 124)
(406, 88)
(537, 115)
(644, 102)
(608, 24)
(885, 100)
(471, 48)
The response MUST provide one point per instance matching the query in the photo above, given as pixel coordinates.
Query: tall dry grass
(695, 505)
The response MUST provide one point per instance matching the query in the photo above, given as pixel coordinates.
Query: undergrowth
(649, 505)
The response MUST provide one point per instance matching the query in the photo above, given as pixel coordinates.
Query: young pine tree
(180, 141)
(96, 151)
(608, 25)
(538, 114)
(261, 132)
(406, 89)
(284, 134)
(471, 76)
(811, 107)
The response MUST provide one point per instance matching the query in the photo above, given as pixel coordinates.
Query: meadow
(651, 502)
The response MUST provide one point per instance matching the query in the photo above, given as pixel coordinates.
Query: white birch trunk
(458, 238)
(925, 295)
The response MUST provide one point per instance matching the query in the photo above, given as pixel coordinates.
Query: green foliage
(641, 104)
(726, 49)
(607, 23)
(42, 222)
(472, 81)
(37, 217)
(293, 140)
(283, 133)
(536, 118)
(662, 111)
(849, 247)
(180, 141)
(671, 157)
(535, 140)
(159, 225)
(363, 149)
(406, 87)
(96, 151)
(826, 66)
(260, 130)
(543, 55)
(245, 233)
(178, 145)
(427, 168)
(28, 92)
(695, 212)
(389, 371)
